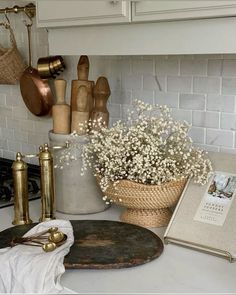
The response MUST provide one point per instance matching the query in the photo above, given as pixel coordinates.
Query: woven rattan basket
(147, 205)
(11, 62)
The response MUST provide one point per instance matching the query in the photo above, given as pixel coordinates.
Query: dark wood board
(102, 244)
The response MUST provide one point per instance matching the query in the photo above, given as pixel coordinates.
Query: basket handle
(12, 37)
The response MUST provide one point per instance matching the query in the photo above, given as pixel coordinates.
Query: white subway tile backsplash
(143, 66)
(144, 95)
(208, 148)
(214, 67)
(2, 99)
(125, 111)
(27, 125)
(197, 134)
(7, 133)
(3, 144)
(14, 145)
(229, 86)
(206, 119)
(171, 99)
(37, 138)
(9, 155)
(21, 136)
(220, 103)
(228, 121)
(206, 85)
(29, 149)
(133, 81)
(114, 110)
(3, 122)
(121, 97)
(20, 112)
(193, 67)
(179, 84)
(192, 101)
(167, 66)
(220, 137)
(5, 111)
(181, 115)
(115, 83)
(153, 82)
(229, 68)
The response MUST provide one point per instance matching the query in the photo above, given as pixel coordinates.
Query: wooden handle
(79, 122)
(61, 118)
(60, 88)
(82, 102)
(102, 88)
(83, 68)
(101, 93)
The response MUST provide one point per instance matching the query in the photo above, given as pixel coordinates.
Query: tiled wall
(200, 89)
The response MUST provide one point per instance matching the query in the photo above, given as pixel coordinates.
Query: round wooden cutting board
(102, 244)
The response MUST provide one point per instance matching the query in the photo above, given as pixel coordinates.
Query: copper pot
(50, 66)
(35, 91)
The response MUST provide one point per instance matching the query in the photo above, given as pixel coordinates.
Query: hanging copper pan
(35, 91)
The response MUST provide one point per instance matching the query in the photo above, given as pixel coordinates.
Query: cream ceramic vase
(75, 194)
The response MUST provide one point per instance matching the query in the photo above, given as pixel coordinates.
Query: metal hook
(8, 21)
(28, 14)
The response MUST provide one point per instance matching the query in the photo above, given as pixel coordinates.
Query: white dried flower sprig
(150, 148)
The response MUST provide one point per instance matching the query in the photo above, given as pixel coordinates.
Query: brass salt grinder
(20, 180)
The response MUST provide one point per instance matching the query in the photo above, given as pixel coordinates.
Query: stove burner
(6, 183)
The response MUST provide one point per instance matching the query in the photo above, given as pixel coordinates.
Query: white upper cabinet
(175, 10)
(64, 13)
(138, 27)
(52, 13)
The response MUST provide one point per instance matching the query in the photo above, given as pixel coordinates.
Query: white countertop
(177, 270)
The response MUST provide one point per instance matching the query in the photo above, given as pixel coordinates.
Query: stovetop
(6, 182)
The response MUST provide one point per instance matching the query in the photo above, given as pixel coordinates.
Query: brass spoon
(49, 230)
(56, 237)
(49, 247)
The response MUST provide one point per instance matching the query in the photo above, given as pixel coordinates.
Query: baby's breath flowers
(150, 148)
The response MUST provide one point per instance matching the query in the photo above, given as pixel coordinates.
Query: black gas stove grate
(6, 182)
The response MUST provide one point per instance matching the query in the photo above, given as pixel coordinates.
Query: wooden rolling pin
(101, 93)
(80, 116)
(82, 72)
(61, 110)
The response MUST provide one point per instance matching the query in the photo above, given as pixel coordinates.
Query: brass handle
(30, 156)
(60, 147)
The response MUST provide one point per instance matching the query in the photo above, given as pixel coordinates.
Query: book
(205, 216)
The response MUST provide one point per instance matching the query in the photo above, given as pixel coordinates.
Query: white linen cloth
(28, 269)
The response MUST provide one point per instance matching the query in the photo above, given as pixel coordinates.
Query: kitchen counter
(177, 270)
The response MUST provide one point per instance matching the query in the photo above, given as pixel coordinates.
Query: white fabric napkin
(28, 269)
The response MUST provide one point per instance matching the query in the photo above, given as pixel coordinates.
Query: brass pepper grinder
(47, 183)
(20, 181)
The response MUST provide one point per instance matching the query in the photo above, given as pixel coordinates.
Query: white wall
(201, 89)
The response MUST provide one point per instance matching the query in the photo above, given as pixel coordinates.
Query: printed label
(217, 199)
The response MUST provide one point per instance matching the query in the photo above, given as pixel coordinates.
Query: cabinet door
(51, 13)
(173, 10)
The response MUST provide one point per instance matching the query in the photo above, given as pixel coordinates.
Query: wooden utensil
(61, 110)
(35, 92)
(80, 116)
(82, 72)
(101, 93)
